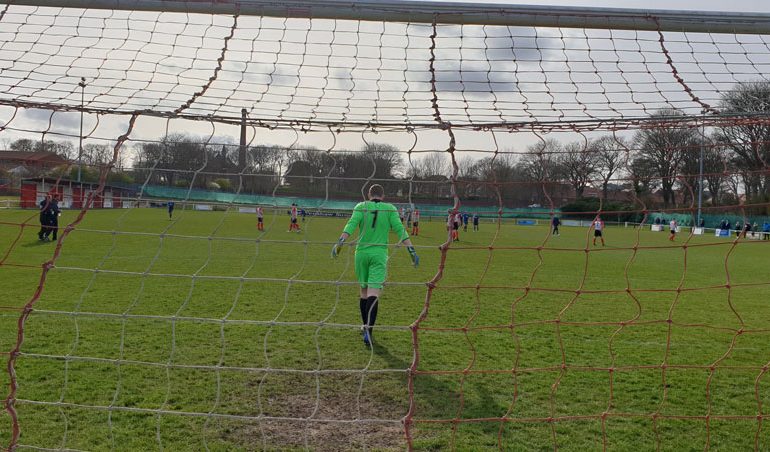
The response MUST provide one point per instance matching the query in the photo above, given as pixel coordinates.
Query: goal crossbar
(448, 13)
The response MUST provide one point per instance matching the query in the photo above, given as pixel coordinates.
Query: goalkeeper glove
(337, 247)
(413, 255)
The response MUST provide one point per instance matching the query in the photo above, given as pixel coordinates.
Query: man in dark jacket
(52, 214)
(45, 204)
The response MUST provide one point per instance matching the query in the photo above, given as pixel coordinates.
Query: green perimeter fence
(426, 210)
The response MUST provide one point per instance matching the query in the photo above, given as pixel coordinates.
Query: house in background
(30, 163)
(72, 194)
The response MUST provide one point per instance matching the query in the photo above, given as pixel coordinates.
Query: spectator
(44, 206)
(52, 215)
(746, 229)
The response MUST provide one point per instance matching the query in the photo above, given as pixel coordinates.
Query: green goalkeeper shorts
(371, 268)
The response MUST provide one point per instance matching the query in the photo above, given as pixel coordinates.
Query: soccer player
(415, 222)
(401, 214)
(465, 221)
(452, 225)
(458, 221)
(598, 225)
(408, 217)
(555, 222)
(475, 222)
(374, 219)
(170, 206)
(293, 224)
(672, 227)
(260, 219)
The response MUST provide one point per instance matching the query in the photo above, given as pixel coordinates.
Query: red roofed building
(72, 194)
(33, 161)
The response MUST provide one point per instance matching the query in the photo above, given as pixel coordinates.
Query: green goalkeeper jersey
(375, 220)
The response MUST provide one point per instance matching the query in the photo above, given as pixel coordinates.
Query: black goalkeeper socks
(362, 304)
(371, 312)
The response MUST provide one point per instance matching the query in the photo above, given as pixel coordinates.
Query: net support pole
(700, 172)
(414, 11)
(82, 86)
(242, 148)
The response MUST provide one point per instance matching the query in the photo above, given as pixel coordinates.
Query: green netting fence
(309, 203)
(426, 210)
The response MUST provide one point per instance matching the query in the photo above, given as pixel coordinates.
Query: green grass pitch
(141, 355)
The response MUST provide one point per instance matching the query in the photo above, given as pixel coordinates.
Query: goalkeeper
(374, 219)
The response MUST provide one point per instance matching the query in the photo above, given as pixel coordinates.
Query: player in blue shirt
(170, 205)
(555, 222)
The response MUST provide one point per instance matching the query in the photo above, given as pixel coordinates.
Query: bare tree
(433, 172)
(62, 148)
(610, 154)
(434, 164)
(714, 167)
(540, 165)
(578, 165)
(96, 154)
(749, 142)
(661, 145)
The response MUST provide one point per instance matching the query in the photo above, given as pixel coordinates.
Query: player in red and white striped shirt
(260, 219)
(415, 221)
(293, 226)
(453, 224)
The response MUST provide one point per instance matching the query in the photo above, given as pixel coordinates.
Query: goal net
(587, 190)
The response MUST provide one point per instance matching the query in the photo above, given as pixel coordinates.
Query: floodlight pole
(82, 86)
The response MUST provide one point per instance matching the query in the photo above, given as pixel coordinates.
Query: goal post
(450, 13)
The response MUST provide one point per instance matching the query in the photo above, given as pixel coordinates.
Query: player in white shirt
(672, 226)
(453, 224)
(415, 221)
(598, 226)
(260, 219)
